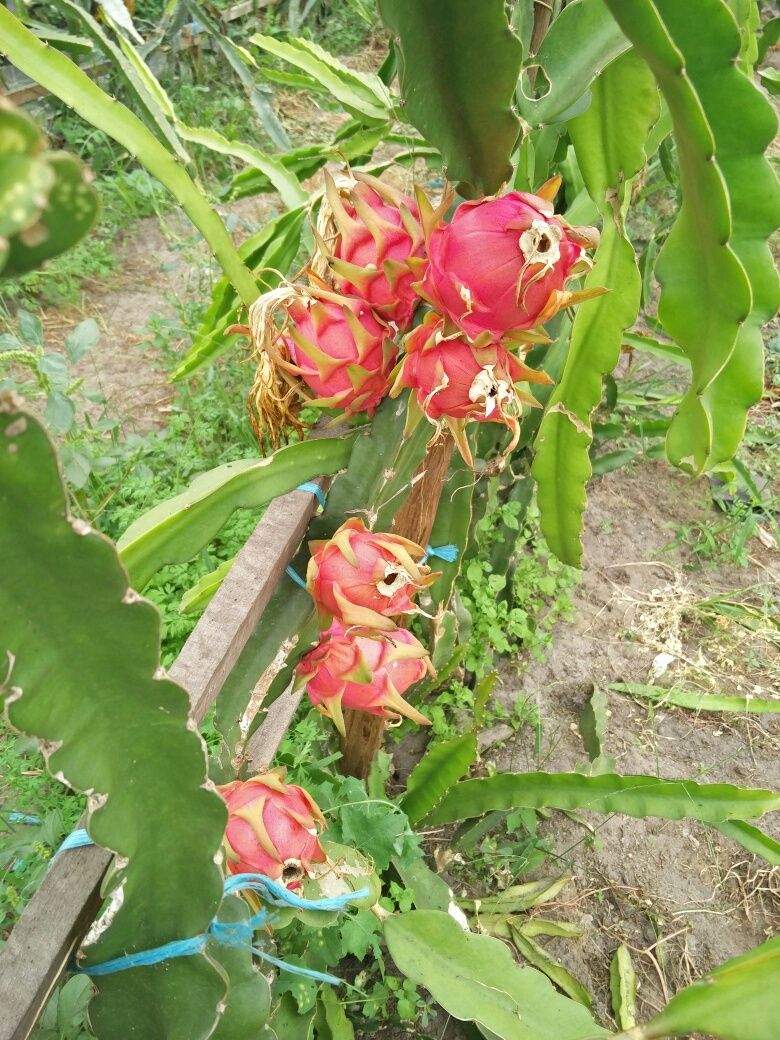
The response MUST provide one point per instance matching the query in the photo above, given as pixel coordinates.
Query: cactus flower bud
(362, 578)
(352, 668)
(456, 381)
(273, 828)
(502, 264)
(371, 239)
(334, 345)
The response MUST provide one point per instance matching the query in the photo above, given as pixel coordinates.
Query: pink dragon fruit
(364, 579)
(339, 348)
(273, 828)
(456, 381)
(502, 264)
(333, 344)
(352, 668)
(371, 238)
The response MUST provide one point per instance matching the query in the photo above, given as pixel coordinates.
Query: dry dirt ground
(680, 895)
(160, 267)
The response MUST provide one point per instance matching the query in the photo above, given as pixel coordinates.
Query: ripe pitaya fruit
(352, 668)
(273, 828)
(364, 579)
(333, 344)
(502, 264)
(371, 238)
(455, 381)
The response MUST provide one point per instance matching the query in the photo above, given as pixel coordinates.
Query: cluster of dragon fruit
(396, 297)
(346, 338)
(348, 332)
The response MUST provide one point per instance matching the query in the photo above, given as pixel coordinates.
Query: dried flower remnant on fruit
(364, 578)
(273, 828)
(364, 671)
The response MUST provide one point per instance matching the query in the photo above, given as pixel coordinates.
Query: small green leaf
(59, 413)
(333, 1023)
(82, 339)
(55, 368)
(30, 328)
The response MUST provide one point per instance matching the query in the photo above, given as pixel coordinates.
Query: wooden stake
(413, 520)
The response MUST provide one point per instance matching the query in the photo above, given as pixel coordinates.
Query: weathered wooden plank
(40, 947)
(214, 646)
(58, 916)
(264, 742)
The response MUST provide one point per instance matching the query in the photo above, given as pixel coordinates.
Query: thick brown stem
(413, 520)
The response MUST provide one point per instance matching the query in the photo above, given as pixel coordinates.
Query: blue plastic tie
(313, 489)
(77, 839)
(448, 553)
(292, 573)
(279, 895)
(21, 817)
(319, 494)
(234, 933)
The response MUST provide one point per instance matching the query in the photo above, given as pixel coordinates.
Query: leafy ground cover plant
(477, 360)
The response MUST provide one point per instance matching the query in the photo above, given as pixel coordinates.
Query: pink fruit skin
(442, 373)
(327, 668)
(357, 245)
(475, 265)
(288, 815)
(358, 593)
(356, 374)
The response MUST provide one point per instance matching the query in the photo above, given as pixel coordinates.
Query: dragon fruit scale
(502, 264)
(455, 381)
(273, 828)
(371, 240)
(364, 578)
(364, 671)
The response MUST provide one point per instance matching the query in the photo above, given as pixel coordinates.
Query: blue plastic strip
(77, 839)
(179, 948)
(232, 933)
(292, 573)
(279, 895)
(21, 817)
(448, 553)
(314, 489)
